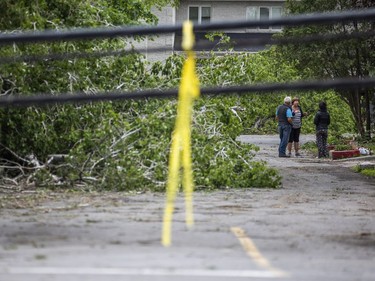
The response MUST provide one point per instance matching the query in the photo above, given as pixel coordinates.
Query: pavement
(269, 145)
(319, 226)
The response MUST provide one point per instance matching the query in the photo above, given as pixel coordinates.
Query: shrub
(368, 172)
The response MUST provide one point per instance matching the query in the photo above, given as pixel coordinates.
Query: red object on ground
(344, 154)
(330, 147)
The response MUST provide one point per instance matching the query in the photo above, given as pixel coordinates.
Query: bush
(342, 147)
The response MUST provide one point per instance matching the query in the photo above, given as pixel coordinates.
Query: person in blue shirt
(284, 119)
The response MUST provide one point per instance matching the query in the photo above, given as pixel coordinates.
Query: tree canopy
(333, 58)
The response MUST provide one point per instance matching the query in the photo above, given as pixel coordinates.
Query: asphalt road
(320, 225)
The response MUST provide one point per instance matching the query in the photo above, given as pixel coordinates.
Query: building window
(200, 14)
(264, 13)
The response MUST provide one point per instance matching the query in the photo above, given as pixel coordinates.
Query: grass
(310, 147)
(369, 172)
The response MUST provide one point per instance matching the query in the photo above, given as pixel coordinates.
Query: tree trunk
(368, 115)
(353, 99)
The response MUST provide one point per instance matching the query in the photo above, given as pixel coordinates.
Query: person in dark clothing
(322, 120)
(284, 118)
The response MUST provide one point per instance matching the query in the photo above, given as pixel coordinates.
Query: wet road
(320, 225)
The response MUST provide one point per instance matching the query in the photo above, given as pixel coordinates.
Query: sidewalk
(268, 151)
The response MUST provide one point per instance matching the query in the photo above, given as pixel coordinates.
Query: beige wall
(223, 10)
(166, 16)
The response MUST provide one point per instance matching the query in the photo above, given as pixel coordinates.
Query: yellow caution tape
(180, 155)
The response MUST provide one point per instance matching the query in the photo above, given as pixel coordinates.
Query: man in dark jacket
(284, 118)
(322, 120)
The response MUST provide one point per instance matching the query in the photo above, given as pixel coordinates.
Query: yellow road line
(253, 252)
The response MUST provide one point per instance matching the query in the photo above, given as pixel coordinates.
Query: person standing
(297, 115)
(322, 120)
(284, 118)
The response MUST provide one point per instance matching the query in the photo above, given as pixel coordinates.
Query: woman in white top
(296, 127)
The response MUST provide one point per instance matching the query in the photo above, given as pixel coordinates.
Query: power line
(73, 55)
(296, 39)
(94, 33)
(198, 47)
(45, 99)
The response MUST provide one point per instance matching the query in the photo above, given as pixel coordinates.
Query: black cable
(199, 47)
(44, 99)
(75, 55)
(294, 40)
(91, 33)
